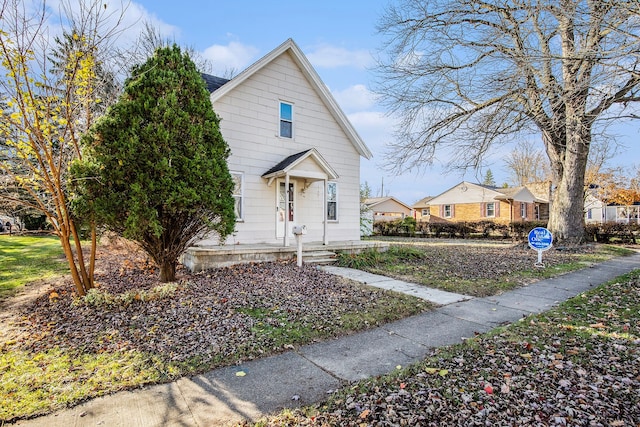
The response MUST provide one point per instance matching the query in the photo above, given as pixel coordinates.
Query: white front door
(283, 198)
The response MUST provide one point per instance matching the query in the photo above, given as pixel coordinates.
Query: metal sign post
(540, 239)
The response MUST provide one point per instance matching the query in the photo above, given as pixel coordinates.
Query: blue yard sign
(540, 239)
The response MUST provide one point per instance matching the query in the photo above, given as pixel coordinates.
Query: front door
(285, 198)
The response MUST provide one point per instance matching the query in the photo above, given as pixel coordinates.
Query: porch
(199, 258)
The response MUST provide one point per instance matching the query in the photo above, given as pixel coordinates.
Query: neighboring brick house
(469, 202)
(422, 209)
(388, 208)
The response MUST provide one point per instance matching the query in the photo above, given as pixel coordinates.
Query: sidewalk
(308, 374)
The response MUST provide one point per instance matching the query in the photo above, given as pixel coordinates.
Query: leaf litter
(551, 369)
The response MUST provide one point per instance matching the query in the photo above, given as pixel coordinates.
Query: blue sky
(340, 39)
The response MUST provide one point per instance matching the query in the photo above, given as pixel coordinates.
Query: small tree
(366, 214)
(51, 94)
(156, 168)
(489, 179)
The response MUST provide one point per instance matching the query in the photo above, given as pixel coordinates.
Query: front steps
(319, 257)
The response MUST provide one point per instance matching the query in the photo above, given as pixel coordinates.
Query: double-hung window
(286, 120)
(426, 211)
(523, 209)
(491, 210)
(448, 211)
(332, 201)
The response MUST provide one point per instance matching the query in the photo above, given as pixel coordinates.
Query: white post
(287, 207)
(325, 237)
(299, 243)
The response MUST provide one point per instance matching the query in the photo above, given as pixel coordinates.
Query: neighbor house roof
(373, 201)
(224, 87)
(422, 203)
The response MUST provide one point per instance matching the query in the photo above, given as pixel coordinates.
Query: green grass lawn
(472, 269)
(25, 259)
(593, 335)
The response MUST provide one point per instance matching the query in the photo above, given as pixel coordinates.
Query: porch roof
(288, 166)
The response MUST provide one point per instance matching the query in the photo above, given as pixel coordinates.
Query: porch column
(325, 237)
(287, 208)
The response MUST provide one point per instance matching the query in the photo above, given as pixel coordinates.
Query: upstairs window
(426, 212)
(523, 210)
(286, 120)
(332, 201)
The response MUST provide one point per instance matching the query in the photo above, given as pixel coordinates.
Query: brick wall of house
(471, 212)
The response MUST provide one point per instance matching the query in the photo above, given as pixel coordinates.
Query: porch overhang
(293, 167)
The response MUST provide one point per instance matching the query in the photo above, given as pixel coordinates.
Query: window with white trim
(332, 201)
(448, 211)
(491, 209)
(523, 209)
(426, 211)
(238, 194)
(286, 120)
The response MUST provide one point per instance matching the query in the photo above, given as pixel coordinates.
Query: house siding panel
(250, 120)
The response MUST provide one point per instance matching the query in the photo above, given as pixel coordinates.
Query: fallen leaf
(364, 414)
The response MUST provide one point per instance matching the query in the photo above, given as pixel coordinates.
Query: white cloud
(355, 98)
(327, 56)
(125, 21)
(234, 57)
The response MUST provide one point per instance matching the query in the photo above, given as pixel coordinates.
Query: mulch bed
(207, 316)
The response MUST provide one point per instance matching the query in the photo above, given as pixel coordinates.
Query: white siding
(250, 125)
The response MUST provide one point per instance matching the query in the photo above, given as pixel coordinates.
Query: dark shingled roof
(213, 82)
(286, 162)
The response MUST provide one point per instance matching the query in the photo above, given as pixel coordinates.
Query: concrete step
(319, 257)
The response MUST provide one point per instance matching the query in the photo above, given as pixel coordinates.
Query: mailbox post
(298, 231)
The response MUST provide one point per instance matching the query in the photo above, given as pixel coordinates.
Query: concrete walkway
(308, 374)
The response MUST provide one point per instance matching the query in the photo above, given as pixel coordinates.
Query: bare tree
(472, 73)
(526, 164)
(50, 100)
(150, 39)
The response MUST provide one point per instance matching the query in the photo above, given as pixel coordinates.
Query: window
(448, 211)
(332, 201)
(537, 212)
(491, 209)
(589, 214)
(238, 191)
(523, 210)
(426, 212)
(286, 120)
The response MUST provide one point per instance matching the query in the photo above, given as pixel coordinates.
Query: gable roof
(213, 82)
(373, 201)
(422, 202)
(289, 163)
(468, 192)
(518, 194)
(313, 79)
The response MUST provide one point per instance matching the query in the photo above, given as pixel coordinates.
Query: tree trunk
(568, 157)
(168, 271)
